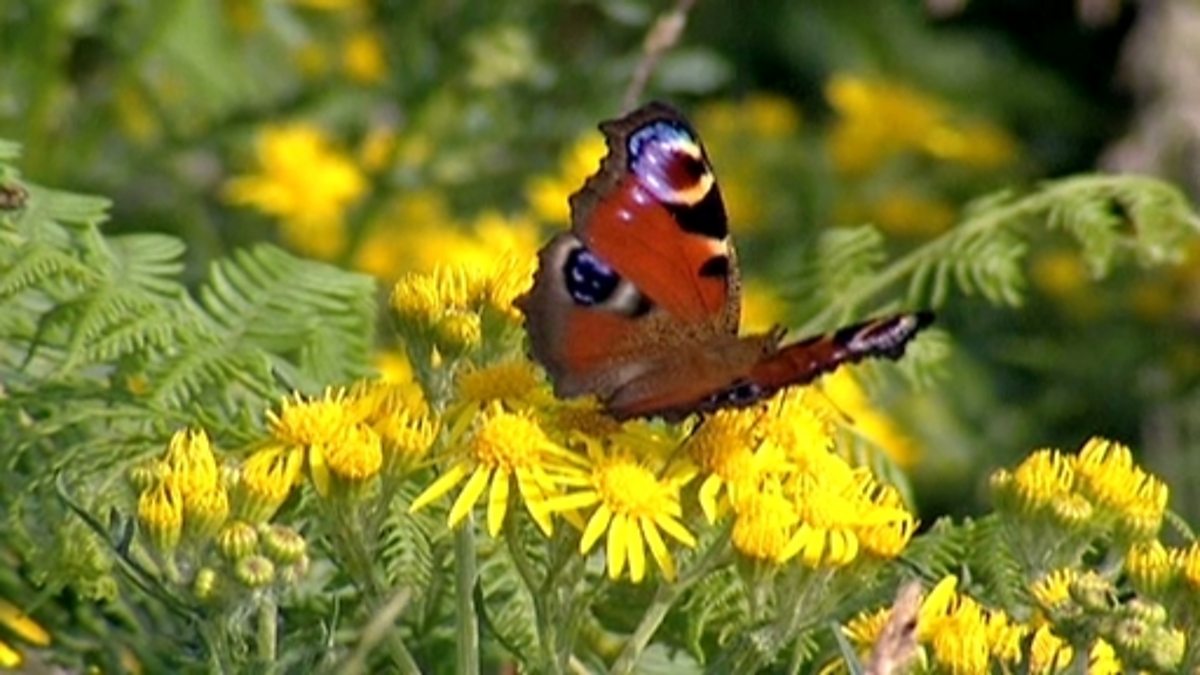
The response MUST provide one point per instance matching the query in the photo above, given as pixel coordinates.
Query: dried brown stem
(663, 35)
(897, 643)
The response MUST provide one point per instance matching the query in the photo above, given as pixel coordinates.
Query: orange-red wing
(655, 214)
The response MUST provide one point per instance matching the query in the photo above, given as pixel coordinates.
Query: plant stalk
(467, 622)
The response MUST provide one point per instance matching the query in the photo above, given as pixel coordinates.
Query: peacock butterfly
(639, 303)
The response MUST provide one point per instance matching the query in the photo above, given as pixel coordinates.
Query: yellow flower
(22, 625)
(634, 506)
(204, 512)
(978, 145)
(509, 382)
(503, 446)
(966, 636)
(407, 437)
(1102, 659)
(450, 303)
(1048, 653)
(396, 376)
(351, 459)
(724, 448)
(1187, 562)
(1107, 474)
(303, 422)
(764, 526)
(191, 461)
(1149, 566)
(265, 481)
(363, 57)
(548, 195)
(305, 183)
(160, 514)
(865, 627)
(1043, 478)
(1054, 589)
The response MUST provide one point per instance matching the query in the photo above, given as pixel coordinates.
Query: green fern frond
(406, 553)
(36, 263)
(317, 322)
(845, 258)
(993, 564)
(1110, 216)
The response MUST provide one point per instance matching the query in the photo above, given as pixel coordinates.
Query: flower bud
(255, 571)
(160, 514)
(204, 586)
(282, 544)
(204, 512)
(237, 540)
(293, 574)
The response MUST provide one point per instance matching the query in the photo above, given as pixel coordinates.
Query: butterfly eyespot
(588, 279)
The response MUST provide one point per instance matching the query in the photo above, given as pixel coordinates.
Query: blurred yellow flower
(548, 195)
(1102, 659)
(304, 182)
(330, 5)
(1054, 589)
(1048, 653)
(135, 115)
(1149, 566)
(22, 625)
(9, 656)
(378, 147)
(762, 307)
(877, 120)
(1060, 274)
(363, 57)
(906, 213)
(866, 419)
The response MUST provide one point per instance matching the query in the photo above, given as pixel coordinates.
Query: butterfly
(639, 302)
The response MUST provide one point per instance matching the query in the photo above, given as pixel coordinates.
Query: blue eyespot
(588, 279)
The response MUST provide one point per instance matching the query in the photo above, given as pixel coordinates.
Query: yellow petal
(658, 548)
(675, 529)
(9, 657)
(534, 496)
(497, 502)
(469, 495)
(318, 470)
(636, 551)
(616, 545)
(22, 624)
(709, 490)
(572, 502)
(441, 486)
(596, 526)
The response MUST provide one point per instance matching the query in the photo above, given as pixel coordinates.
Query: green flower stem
(467, 622)
(268, 621)
(547, 629)
(664, 599)
(359, 563)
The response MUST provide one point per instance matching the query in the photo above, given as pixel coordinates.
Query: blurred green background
(391, 136)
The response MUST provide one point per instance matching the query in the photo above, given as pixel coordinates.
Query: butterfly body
(639, 302)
